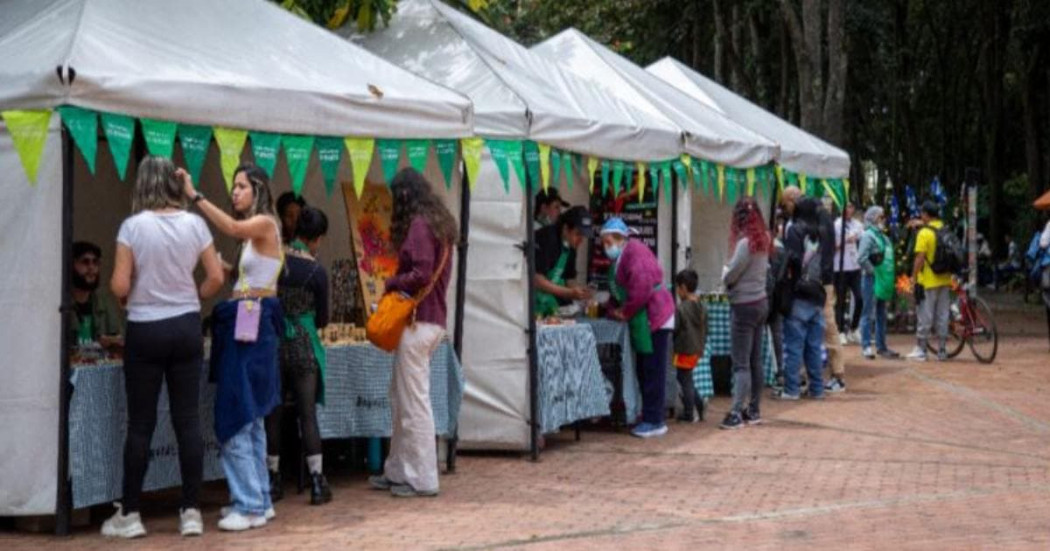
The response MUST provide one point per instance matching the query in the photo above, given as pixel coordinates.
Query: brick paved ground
(945, 456)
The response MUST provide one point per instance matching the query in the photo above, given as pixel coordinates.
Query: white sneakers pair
(234, 521)
(849, 338)
(130, 525)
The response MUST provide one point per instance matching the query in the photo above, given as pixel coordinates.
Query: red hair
(747, 222)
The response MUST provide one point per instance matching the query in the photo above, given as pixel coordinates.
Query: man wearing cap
(549, 206)
(95, 318)
(556, 260)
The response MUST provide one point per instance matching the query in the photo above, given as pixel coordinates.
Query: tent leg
(461, 298)
(534, 375)
(674, 228)
(64, 497)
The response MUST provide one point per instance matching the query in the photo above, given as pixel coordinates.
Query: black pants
(691, 400)
(303, 382)
(848, 281)
(169, 350)
(652, 377)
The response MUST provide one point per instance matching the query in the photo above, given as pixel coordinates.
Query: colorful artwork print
(369, 218)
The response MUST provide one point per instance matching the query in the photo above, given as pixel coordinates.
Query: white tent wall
(495, 411)
(710, 236)
(30, 331)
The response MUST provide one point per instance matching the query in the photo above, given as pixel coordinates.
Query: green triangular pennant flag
(329, 153)
(705, 177)
(120, 132)
(532, 163)
(731, 184)
(29, 134)
(570, 160)
(498, 152)
(516, 159)
(665, 171)
(681, 172)
(360, 151)
(654, 178)
(472, 158)
(606, 166)
(389, 158)
(445, 150)
(265, 146)
(592, 169)
(195, 141)
(159, 136)
(617, 177)
(297, 150)
(417, 151)
(231, 143)
(641, 180)
(545, 165)
(83, 127)
(556, 166)
(628, 175)
(687, 164)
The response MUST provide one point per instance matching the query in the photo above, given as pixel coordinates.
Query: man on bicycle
(932, 289)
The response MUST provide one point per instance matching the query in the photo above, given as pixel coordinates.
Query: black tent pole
(64, 498)
(461, 297)
(674, 226)
(534, 373)
(773, 188)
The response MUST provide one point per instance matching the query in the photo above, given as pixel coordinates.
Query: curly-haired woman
(424, 232)
(745, 279)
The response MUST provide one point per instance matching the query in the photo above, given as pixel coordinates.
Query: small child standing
(690, 336)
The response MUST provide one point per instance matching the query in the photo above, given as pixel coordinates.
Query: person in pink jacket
(640, 297)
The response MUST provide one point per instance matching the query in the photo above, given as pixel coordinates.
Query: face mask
(613, 252)
(565, 244)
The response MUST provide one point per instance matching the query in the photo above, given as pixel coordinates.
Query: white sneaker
(123, 526)
(869, 352)
(236, 522)
(854, 337)
(917, 355)
(190, 522)
(270, 514)
(843, 340)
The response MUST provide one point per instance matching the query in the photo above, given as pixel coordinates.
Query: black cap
(930, 208)
(81, 248)
(578, 218)
(549, 196)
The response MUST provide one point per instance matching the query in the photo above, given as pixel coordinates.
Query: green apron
(307, 322)
(86, 329)
(638, 325)
(884, 273)
(546, 303)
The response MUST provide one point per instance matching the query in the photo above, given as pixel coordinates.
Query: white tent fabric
(237, 63)
(708, 134)
(799, 150)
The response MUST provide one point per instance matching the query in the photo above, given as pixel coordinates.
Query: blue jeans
(803, 338)
(244, 462)
(874, 312)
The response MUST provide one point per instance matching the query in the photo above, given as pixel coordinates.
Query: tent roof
(239, 63)
(708, 134)
(799, 150)
(518, 93)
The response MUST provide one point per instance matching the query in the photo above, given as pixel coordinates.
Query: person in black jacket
(832, 343)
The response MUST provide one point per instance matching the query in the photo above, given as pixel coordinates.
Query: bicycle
(971, 322)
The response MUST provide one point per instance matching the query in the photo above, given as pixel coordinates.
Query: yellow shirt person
(926, 243)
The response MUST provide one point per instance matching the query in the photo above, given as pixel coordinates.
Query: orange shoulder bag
(397, 311)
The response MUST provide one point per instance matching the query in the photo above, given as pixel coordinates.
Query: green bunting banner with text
(498, 152)
(417, 151)
(297, 150)
(265, 146)
(83, 127)
(445, 150)
(29, 135)
(389, 158)
(360, 151)
(231, 143)
(329, 153)
(195, 141)
(159, 137)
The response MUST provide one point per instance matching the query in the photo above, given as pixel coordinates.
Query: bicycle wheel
(956, 330)
(984, 343)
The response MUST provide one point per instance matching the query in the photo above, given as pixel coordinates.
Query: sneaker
(869, 353)
(854, 337)
(649, 430)
(276, 488)
(404, 490)
(784, 396)
(752, 417)
(688, 417)
(732, 421)
(843, 339)
(236, 522)
(889, 354)
(942, 355)
(190, 522)
(817, 397)
(270, 513)
(380, 482)
(320, 493)
(836, 384)
(917, 355)
(123, 526)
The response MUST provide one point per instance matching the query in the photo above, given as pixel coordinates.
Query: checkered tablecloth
(357, 389)
(719, 343)
(616, 332)
(571, 383)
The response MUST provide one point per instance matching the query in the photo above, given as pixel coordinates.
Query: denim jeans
(803, 336)
(874, 313)
(244, 462)
(747, 322)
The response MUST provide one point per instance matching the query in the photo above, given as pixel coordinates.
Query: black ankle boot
(276, 489)
(320, 493)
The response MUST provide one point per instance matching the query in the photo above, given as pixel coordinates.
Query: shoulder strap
(446, 250)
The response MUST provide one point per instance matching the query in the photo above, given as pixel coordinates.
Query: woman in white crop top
(246, 370)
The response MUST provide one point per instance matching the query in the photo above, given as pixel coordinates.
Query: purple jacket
(639, 273)
(419, 256)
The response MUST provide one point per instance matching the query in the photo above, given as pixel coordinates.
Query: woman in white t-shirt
(158, 248)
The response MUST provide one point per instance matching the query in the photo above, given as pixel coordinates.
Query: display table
(719, 344)
(357, 385)
(571, 385)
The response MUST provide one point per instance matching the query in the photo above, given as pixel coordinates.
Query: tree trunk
(1029, 102)
(762, 91)
(806, 42)
(785, 74)
(838, 63)
(730, 43)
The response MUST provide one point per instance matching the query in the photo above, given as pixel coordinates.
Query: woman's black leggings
(169, 350)
(304, 383)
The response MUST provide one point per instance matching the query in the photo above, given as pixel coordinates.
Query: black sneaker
(889, 354)
(835, 385)
(752, 417)
(942, 355)
(320, 493)
(276, 489)
(732, 421)
(688, 417)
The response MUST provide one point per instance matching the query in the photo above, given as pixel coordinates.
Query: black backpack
(949, 255)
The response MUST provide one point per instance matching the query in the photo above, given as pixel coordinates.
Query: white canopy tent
(517, 95)
(799, 150)
(237, 63)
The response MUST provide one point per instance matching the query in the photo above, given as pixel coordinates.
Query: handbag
(397, 311)
(249, 311)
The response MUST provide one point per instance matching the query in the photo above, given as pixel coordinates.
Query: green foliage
(335, 13)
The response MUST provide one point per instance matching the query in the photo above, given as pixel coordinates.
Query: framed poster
(369, 218)
(639, 215)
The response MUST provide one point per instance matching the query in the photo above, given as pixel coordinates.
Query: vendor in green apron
(548, 207)
(875, 256)
(641, 298)
(95, 317)
(556, 261)
(303, 292)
